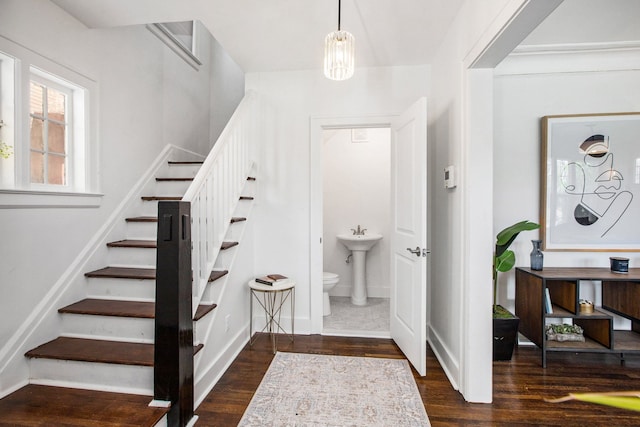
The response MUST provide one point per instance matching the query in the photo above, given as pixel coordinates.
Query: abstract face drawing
(602, 202)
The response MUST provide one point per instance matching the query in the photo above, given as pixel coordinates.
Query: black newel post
(173, 358)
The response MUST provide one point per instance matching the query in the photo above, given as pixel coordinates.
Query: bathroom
(356, 192)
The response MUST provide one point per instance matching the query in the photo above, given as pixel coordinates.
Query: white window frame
(82, 189)
(48, 82)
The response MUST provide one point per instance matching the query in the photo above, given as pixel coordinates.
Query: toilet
(329, 280)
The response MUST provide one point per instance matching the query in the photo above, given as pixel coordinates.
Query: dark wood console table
(620, 295)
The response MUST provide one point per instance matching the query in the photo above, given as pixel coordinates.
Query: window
(50, 139)
(47, 131)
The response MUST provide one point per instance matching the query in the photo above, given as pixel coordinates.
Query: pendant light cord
(339, 1)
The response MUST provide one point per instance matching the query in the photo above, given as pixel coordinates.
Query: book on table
(272, 279)
(547, 301)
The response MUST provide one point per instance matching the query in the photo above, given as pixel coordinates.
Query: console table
(620, 295)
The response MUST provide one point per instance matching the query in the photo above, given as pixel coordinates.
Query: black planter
(505, 334)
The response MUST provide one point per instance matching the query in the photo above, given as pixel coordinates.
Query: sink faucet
(359, 231)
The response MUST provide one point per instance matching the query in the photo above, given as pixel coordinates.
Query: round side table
(272, 298)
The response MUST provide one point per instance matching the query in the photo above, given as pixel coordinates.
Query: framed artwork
(590, 182)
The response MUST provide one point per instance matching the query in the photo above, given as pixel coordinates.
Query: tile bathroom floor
(346, 319)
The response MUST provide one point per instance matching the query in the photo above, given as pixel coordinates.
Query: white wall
(283, 242)
(147, 97)
(526, 88)
(460, 295)
(356, 191)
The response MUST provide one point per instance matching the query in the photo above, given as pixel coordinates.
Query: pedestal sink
(359, 244)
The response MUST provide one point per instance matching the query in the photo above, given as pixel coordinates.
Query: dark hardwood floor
(520, 385)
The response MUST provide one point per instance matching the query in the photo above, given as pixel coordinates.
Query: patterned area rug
(320, 390)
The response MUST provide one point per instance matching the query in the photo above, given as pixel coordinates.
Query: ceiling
(589, 21)
(275, 35)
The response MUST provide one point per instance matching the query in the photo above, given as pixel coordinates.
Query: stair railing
(217, 187)
(198, 222)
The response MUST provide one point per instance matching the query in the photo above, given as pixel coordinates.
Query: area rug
(320, 390)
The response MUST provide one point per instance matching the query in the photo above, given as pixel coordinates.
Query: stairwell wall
(147, 97)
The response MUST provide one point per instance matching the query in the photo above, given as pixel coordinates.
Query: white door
(408, 297)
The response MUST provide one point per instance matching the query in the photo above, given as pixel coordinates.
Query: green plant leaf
(509, 234)
(626, 399)
(505, 261)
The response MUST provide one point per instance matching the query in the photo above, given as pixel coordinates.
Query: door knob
(415, 251)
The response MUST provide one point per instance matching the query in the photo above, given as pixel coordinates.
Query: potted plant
(505, 324)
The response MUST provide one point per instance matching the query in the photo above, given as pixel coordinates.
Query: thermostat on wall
(450, 177)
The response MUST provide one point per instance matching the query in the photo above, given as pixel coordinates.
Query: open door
(408, 298)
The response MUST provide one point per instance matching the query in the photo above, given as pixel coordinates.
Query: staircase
(107, 342)
(105, 349)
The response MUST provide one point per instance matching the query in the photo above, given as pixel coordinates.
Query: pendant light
(339, 52)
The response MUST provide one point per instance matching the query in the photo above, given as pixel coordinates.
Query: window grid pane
(36, 99)
(55, 105)
(37, 167)
(56, 138)
(56, 169)
(48, 115)
(37, 134)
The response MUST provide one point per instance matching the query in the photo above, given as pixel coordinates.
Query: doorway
(408, 218)
(318, 127)
(356, 196)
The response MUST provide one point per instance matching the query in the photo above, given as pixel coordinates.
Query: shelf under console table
(620, 295)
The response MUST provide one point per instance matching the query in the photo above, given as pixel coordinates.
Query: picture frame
(590, 182)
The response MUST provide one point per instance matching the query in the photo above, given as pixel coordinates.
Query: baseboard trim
(212, 373)
(450, 365)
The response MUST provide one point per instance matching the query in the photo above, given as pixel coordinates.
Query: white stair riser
(121, 288)
(181, 171)
(149, 208)
(201, 326)
(243, 207)
(171, 188)
(224, 258)
(93, 376)
(212, 291)
(234, 232)
(141, 257)
(162, 423)
(108, 327)
(142, 230)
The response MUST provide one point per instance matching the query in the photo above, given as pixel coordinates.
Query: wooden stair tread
(246, 198)
(139, 273)
(132, 243)
(173, 179)
(155, 219)
(186, 163)
(39, 405)
(215, 275)
(97, 351)
(143, 219)
(124, 273)
(227, 245)
(160, 198)
(251, 178)
(118, 308)
(203, 310)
